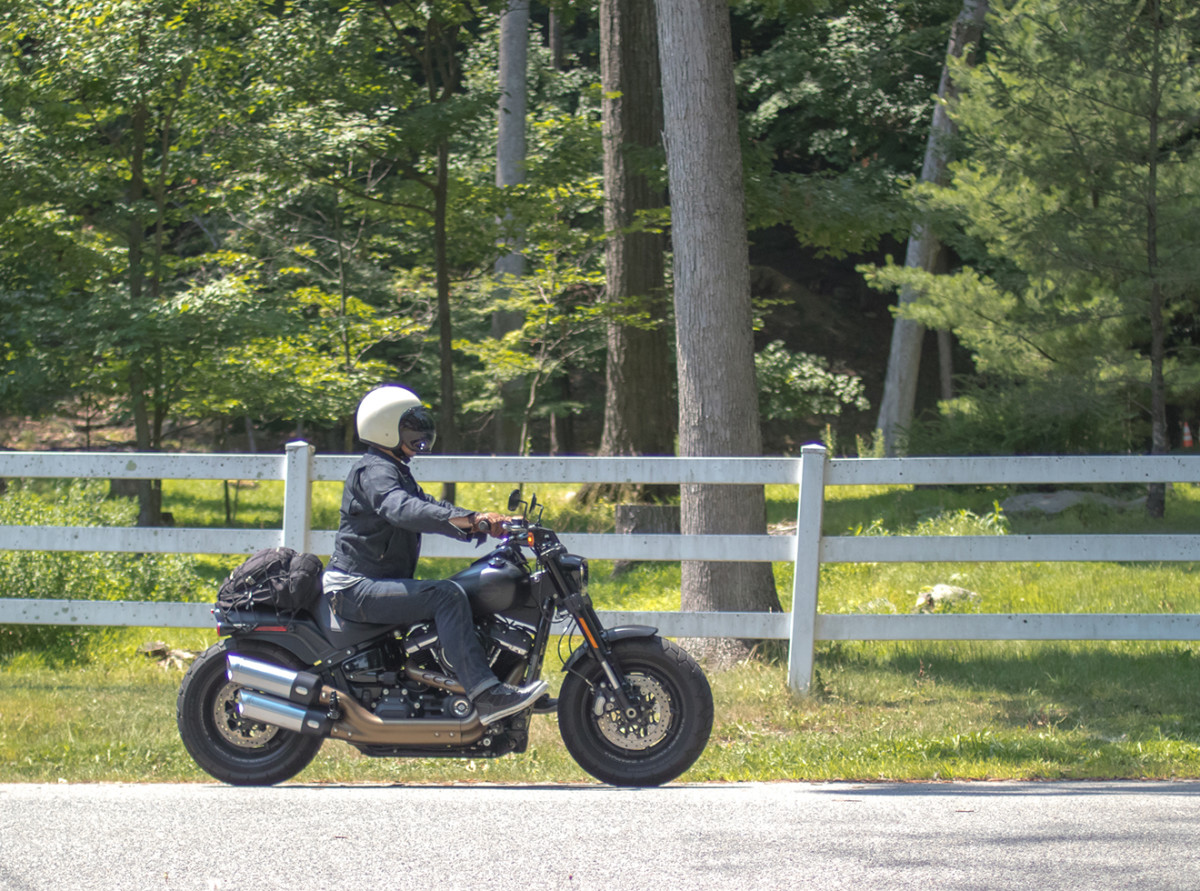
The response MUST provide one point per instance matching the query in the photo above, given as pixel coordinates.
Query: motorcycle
(634, 709)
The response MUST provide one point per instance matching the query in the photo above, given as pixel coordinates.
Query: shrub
(1051, 418)
(71, 575)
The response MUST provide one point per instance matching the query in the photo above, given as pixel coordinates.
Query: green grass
(899, 711)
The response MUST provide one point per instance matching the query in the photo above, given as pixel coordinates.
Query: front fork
(598, 638)
(599, 647)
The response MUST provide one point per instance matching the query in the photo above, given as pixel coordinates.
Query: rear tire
(659, 744)
(225, 745)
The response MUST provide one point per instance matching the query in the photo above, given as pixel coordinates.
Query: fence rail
(299, 467)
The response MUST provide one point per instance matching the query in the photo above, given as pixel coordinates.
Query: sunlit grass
(877, 710)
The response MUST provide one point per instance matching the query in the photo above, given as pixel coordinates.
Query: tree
(113, 115)
(510, 171)
(835, 108)
(637, 399)
(373, 101)
(1077, 203)
(718, 404)
(904, 359)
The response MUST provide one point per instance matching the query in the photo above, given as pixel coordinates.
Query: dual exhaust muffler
(298, 701)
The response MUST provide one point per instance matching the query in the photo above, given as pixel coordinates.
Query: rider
(384, 512)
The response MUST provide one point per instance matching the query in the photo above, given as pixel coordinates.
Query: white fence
(299, 467)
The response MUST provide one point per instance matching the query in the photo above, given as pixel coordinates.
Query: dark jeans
(405, 601)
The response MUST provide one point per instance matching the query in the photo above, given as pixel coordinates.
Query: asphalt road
(1042, 836)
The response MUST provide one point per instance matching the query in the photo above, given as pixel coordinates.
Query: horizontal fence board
(607, 546)
(16, 611)
(753, 626)
(1035, 626)
(1076, 626)
(137, 539)
(1057, 470)
(1008, 548)
(526, 471)
(717, 548)
(1043, 470)
(140, 465)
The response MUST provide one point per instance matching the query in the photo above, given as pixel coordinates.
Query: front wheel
(673, 714)
(226, 745)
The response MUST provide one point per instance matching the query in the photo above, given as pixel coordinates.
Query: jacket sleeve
(384, 492)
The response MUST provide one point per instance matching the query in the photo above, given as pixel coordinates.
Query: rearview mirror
(514, 500)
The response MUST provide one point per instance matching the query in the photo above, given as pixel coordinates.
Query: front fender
(610, 636)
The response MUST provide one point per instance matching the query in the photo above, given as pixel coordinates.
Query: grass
(897, 711)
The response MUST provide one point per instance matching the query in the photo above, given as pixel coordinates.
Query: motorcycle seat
(342, 632)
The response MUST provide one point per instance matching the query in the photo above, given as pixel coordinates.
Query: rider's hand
(492, 524)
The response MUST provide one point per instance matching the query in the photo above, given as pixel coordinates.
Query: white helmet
(392, 415)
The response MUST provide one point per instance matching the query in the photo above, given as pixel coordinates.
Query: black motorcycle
(634, 709)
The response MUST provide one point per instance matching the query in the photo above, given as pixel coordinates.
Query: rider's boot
(503, 700)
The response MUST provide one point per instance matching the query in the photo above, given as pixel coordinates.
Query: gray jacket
(383, 514)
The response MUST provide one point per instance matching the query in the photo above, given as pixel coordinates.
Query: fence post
(807, 570)
(297, 496)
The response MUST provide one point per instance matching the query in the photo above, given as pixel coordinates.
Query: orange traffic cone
(1187, 436)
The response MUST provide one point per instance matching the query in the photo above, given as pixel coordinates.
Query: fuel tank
(494, 584)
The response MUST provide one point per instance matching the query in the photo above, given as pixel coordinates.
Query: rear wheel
(668, 729)
(222, 742)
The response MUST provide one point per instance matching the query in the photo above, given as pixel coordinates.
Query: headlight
(576, 570)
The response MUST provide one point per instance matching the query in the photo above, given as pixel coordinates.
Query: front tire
(675, 716)
(225, 745)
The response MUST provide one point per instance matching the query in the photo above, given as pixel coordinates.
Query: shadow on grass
(1104, 688)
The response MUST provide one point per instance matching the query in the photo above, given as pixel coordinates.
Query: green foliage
(70, 575)
(799, 385)
(1074, 209)
(1033, 417)
(837, 108)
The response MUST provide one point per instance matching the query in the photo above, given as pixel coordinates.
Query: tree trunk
(904, 360)
(149, 491)
(554, 38)
(448, 414)
(1156, 495)
(946, 363)
(510, 171)
(638, 399)
(718, 396)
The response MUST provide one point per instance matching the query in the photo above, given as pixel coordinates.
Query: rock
(932, 597)
(1057, 502)
(167, 657)
(154, 649)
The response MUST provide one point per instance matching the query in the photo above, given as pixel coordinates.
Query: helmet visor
(417, 430)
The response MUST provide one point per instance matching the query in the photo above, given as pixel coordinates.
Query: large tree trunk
(718, 396)
(639, 402)
(510, 171)
(904, 361)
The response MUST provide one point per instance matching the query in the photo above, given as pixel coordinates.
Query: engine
(507, 644)
(380, 681)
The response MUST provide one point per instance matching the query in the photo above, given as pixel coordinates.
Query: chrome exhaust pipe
(356, 724)
(269, 710)
(302, 687)
(293, 699)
